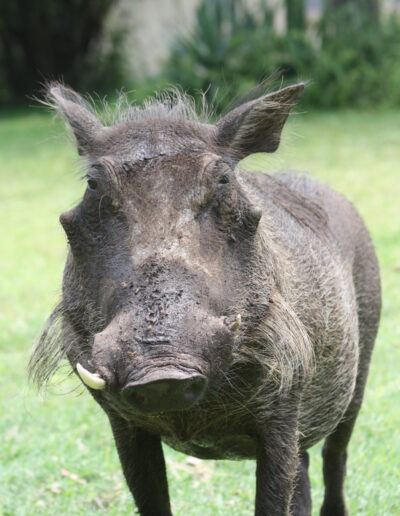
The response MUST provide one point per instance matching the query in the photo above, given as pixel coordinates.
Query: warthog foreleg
(277, 461)
(301, 499)
(143, 464)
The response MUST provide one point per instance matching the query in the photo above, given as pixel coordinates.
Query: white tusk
(236, 323)
(92, 380)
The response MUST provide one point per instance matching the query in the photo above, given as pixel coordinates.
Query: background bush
(48, 39)
(349, 58)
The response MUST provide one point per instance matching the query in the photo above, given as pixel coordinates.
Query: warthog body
(229, 314)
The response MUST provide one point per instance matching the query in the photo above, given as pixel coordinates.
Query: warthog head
(156, 279)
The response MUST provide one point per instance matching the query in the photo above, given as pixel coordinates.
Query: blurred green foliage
(349, 60)
(47, 40)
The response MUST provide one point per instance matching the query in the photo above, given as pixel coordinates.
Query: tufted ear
(84, 124)
(256, 126)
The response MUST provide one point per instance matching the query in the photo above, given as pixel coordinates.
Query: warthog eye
(223, 180)
(92, 185)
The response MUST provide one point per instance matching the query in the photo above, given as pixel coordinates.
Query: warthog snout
(166, 394)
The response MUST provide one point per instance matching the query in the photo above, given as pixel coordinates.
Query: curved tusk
(236, 323)
(92, 380)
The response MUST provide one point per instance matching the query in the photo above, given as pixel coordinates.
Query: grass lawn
(56, 451)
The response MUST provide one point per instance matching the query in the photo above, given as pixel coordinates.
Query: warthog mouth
(158, 391)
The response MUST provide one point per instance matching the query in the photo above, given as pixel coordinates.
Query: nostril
(190, 393)
(139, 398)
(135, 396)
(194, 391)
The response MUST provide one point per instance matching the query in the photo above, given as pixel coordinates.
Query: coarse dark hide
(229, 314)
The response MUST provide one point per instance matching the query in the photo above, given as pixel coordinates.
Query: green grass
(56, 452)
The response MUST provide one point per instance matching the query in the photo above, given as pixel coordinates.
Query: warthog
(229, 314)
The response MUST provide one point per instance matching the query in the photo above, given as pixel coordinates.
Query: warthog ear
(76, 111)
(256, 126)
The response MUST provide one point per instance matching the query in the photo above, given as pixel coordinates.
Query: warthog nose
(164, 395)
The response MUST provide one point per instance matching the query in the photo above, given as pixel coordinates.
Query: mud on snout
(156, 370)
